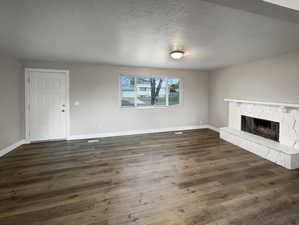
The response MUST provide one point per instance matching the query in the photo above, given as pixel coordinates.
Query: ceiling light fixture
(177, 54)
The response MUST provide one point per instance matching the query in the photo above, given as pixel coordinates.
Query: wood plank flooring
(153, 179)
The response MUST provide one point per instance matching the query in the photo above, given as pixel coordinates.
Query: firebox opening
(264, 128)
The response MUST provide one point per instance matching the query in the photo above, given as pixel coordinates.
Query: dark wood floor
(153, 179)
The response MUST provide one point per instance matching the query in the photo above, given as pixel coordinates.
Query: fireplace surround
(268, 129)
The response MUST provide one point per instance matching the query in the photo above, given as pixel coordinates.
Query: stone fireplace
(270, 130)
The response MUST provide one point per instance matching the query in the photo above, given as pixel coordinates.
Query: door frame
(27, 99)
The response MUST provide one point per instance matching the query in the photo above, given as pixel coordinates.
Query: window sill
(149, 107)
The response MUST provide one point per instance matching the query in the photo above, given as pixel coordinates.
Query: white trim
(167, 92)
(67, 108)
(148, 107)
(134, 132)
(46, 70)
(213, 128)
(288, 105)
(291, 4)
(12, 147)
(27, 94)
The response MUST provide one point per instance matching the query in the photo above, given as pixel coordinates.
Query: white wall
(274, 79)
(12, 102)
(96, 87)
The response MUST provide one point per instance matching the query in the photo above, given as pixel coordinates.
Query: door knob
(62, 110)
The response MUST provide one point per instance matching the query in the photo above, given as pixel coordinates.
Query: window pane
(143, 88)
(160, 91)
(127, 91)
(174, 91)
(151, 91)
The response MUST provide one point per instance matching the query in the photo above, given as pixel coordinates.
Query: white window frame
(150, 106)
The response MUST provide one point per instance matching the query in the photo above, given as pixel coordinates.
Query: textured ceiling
(141, 32)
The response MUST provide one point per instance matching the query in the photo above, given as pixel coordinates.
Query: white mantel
(281, 105)
(286, 152)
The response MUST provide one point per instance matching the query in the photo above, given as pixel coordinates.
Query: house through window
(149, 91)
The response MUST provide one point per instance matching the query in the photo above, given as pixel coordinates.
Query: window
(149, 91)
(143, 89)
(127, 91)
(174, 91)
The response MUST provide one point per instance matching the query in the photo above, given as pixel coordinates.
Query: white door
(47, 105)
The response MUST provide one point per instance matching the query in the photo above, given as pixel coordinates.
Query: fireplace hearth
(264, 128)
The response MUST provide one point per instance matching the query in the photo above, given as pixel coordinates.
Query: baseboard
(134, 132)
(12, 147)
(213, 128)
